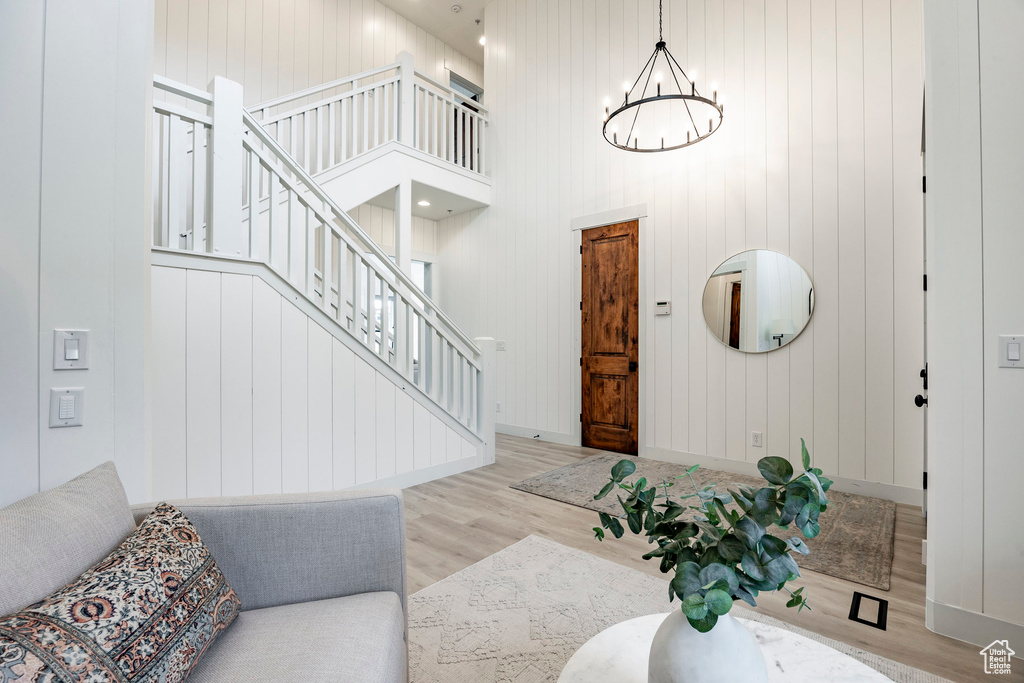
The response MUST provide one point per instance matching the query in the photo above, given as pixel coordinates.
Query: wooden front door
(611, 329)
(734, 316)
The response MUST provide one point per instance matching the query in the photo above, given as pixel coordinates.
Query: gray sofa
(321, 576)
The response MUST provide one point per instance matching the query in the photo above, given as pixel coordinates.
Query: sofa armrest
(284, 549)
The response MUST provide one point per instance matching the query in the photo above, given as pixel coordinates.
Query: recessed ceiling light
(456, 8)
(423, 202)
(483, 40)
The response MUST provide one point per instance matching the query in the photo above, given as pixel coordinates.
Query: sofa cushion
(355, 638)
(48, 539)
(146, 612)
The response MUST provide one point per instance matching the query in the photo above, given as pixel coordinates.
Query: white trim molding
(538, 434)
(407, 479)
(968, 626)
(620, 215)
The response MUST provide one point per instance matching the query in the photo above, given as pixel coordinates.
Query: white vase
(728, 653)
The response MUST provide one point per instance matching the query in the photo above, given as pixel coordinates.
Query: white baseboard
(407, 479)
(539, 434)
(899, 494)
(970, 627)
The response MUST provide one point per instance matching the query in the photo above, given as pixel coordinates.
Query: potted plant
(719, 547)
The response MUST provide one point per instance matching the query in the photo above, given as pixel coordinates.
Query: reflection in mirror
(758, 300)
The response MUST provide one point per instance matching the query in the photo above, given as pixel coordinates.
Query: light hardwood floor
(454, 522)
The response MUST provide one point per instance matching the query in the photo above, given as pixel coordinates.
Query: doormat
(857, 532)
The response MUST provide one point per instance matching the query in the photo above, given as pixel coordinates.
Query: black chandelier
(672, 116)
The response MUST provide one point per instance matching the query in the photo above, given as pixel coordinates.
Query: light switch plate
(72, 400)
(1004, 350)
(60, 342)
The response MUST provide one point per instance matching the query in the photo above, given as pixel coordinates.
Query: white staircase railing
(324, 126)
(448, 125)
(224, 185)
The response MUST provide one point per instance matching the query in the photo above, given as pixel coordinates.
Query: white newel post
(403, 226)
(488, 393)
(224, 232)
(407, 79)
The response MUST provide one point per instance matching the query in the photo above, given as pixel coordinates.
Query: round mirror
(758, 301)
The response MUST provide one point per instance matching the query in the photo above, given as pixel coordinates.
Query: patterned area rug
(857, 532)
(520, 614)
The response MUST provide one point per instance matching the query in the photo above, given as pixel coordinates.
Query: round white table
(619, 655)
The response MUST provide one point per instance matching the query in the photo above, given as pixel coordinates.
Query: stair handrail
(186, 91)
(327, 100)
(262, 107)
(367, 242)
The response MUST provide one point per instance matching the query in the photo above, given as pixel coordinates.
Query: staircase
(246, 194)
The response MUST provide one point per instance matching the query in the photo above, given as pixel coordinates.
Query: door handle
(632, 366)
(920, 400)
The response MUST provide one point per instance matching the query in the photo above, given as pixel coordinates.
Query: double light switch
(70, 352)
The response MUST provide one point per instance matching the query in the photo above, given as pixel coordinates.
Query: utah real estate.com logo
(997, 657)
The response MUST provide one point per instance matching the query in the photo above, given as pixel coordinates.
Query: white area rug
(520, 614)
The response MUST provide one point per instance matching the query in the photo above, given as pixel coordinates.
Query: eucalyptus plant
(722, 551)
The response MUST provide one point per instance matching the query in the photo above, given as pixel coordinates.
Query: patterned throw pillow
(147, 612)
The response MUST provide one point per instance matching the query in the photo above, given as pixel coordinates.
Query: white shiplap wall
(252, 395)
(818, 158)
(277, 47)
(74, 84)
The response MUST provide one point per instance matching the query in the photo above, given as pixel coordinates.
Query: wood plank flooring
(454, 522)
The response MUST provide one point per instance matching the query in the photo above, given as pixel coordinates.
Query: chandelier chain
(660, 32)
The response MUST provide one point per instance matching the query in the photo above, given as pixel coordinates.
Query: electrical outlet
(498, 409)
(755, 439)
(500, 345)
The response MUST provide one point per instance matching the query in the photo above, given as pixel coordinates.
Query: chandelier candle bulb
(714, 98)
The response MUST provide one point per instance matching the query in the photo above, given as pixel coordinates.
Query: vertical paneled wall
(277, 47)
(252, 395)
(379, 223)
(818, 158)
(75, 256)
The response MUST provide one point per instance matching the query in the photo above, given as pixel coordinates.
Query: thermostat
(662, 307)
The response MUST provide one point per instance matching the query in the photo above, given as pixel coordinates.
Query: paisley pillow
(146, 612)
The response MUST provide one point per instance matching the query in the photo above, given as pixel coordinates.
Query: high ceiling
(459, 30)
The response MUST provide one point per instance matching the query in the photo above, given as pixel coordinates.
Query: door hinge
(581, 417)
(581, 362)
(581, 305)
(581, 248)
(925, 481)
(926, 282)
(924, 184)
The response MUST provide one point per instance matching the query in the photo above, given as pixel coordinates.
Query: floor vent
(862, 613)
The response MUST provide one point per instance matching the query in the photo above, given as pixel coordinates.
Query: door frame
(638, 213)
